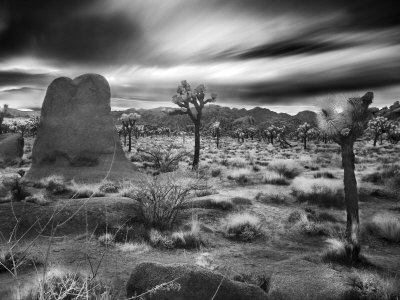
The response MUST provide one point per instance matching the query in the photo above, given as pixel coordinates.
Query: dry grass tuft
(242, 226)
(286, 167)
(386, 226)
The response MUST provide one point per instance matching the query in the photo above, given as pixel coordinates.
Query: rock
(300, 279)
(191, 282)
(77, 137)
(11, 149)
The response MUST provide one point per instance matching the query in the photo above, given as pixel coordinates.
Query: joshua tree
(33, 125)
(184, 98)
(344, 122)
(378, 127)
(128, 124)
(303, 132)
(1, 121)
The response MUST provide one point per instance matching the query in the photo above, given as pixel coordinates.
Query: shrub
(273, 177)
(215, 172)
(9, 261)
(108, 187)
(106, 239)
(54, 184)
(386, 226)
(260, 280)
(286, 167)
(71, 286)
(322, 192)
(205, 192)
(164, 159)
(242, 226)
(161, 198)
(372, 286)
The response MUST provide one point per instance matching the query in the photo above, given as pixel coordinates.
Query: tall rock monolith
(77, 137)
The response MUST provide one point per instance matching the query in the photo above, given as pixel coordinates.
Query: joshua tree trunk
(217, 138)
(351, 199)
(305, 143)
(130, 141)
(375, 139)
(196, 156)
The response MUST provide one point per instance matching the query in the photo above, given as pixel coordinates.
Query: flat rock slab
(187, 282)
(300, 279)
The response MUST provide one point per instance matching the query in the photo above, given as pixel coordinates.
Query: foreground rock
(189, 282)
(11, 149)
(77, 137)
(300, 279)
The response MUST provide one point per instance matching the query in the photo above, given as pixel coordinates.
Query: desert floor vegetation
(248, 209)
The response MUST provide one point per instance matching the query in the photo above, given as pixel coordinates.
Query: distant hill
(15, 113)
(392, 112)
(257, 116)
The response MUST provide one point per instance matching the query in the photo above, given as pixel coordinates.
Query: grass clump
(273, 177)
(10, 261)
(241, 176)
(189, 239)
(54, 184)
(242, 226)
(340, 251)
(288, 168)
(72, 286)
(327, 175)
(368, 285)
(134, 247)
(385, 226)
(82, 190)
(271, 199)
(221, 204)
(158, 239)
(215, 172)
(321, 192)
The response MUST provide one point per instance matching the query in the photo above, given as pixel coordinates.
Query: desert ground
(291, 201)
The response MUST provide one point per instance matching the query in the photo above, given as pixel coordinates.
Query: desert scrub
(164, 159)
(70, 286)
(209, 203)
(286, 167)
(242, 226)
(17, 189)
(158, 239)
(385, 226)
(340, 251)
(189, 239)
(322, 192)
(133, 247)
(161, 198)
(324, 175)
(11, 261)
(215, 172)
(273, 177)
(54, 184)
(109, 187)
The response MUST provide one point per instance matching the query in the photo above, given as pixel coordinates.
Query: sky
(285, 55)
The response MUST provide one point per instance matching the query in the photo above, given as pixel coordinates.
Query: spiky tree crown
(345, 120)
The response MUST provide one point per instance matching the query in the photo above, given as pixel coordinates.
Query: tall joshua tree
(128, 123)
(345, 121)
(185, 98)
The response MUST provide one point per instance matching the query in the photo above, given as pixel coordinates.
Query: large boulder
(187, 282)
(77, 137)
(11, 149)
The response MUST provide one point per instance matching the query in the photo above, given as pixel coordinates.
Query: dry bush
(385, 226)
(340, 251)
(133, 247)
(242, 226)
(211, 204)
(327, 175)
(322, 192)
(164, 159)
(273, 177)
(286, 167)
(161, 198)
(189, 239)
(17, 189)
(160, 240)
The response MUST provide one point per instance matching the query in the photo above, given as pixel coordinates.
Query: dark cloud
(292, 47)
(20, 78)
(66, 30)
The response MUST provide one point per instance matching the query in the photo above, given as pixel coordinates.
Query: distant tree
(393, 134)
(128, 123)
(378, 127)
(184, 98)
(1, 121)
(271, 133)
(33, 125)
(216, 131)
(345, 121)
(303, 132)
